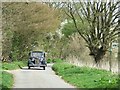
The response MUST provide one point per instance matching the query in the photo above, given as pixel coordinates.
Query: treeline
(26, 26)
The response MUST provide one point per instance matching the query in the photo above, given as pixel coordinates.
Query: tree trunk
(97, 53)
(1, 33)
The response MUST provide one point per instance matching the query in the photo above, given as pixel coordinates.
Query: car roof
(37, 52)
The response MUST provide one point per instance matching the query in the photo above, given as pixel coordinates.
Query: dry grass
(80, 56)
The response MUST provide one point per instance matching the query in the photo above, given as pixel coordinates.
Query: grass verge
(7, 80)
(84, 77)
(13, 65)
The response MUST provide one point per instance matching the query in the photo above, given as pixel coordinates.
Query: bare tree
(100, 21)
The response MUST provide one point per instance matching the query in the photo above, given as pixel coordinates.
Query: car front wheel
(28, 67)
(44, 68)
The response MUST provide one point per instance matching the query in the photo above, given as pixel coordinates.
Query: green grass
(13, 65)
(84, 77)
(7, 80)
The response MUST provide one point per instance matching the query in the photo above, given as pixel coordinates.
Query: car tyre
(28, 67)
(44, 68)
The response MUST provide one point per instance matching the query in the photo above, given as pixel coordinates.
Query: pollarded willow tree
(97, 23)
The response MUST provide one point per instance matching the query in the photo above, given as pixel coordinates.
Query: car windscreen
(38, 55)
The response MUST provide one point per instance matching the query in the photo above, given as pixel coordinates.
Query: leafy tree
(24, 24)
(68, 29)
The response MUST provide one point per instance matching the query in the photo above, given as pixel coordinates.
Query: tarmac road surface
(38, 78)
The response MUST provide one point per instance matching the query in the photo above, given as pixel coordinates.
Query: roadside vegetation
(54, 60)
(84, 77)
(13, 65)
(7, 80)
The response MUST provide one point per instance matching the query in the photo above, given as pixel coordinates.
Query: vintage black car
(37, 59)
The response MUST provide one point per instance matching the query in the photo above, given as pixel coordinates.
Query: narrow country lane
(38, 78)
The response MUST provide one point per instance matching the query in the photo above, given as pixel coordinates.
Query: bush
(57, 60)
(68, 29)
(49, 60)
(54, 60)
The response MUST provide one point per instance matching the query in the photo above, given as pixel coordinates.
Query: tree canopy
(24, 24)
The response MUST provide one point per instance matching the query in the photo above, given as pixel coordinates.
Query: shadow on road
(33, 68)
